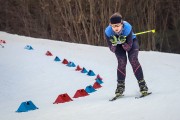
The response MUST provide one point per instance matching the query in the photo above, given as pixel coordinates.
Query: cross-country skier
(121, 40)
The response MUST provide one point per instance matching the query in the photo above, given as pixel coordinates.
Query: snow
(31, 75)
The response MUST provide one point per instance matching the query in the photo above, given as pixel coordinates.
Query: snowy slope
(31, 75)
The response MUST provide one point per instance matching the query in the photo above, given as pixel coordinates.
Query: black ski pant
(133, 59)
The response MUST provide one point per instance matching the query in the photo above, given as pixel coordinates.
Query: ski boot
(143, 87)
(120, 89)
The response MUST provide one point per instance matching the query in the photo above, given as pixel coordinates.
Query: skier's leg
(121, 71)
(133, 58)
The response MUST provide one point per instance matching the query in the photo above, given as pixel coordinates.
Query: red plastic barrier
(48, 53)
(63, 98)
(80, 93)
(96, 85)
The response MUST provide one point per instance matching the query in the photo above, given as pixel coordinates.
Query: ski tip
(143, 95)
(116, 97)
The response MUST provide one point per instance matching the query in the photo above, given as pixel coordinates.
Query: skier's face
(117, 27)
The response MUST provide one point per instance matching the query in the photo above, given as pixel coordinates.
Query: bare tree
(84, 21)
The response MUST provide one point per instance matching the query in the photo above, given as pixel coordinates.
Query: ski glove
(122, 39)
(115, 40)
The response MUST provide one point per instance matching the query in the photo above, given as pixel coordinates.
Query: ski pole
(139, 33)
(153, 31)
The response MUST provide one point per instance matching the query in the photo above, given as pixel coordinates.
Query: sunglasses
(116, 25)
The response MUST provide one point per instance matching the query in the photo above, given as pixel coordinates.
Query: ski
(143, 95)
(120, 96)
(116, 97)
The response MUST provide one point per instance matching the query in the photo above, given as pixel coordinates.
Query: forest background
(84, 21)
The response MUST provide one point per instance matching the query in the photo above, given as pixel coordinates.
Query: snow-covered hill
(31, 75)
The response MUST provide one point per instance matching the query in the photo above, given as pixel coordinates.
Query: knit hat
(115, 19)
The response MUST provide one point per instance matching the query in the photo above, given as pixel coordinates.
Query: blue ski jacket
(126, 31)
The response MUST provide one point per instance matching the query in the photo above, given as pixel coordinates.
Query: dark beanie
(115, 19)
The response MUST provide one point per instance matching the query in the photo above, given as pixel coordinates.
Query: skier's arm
(129, 41)
(111, 47)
